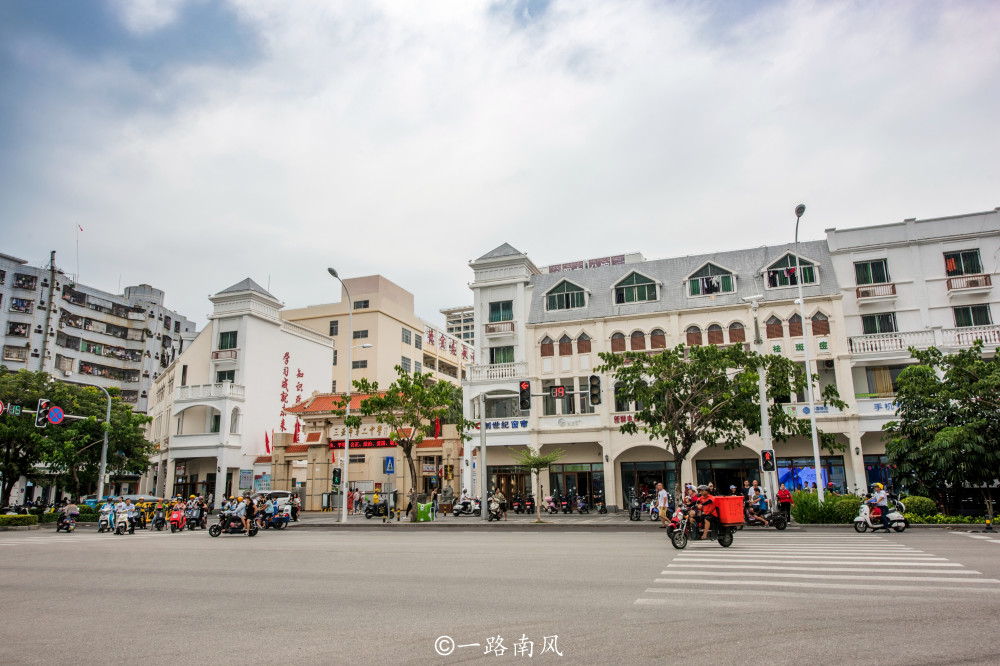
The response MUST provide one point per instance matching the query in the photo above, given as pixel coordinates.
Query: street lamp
(104, 446)
(765, 425)
(347, 409)
(799, 211)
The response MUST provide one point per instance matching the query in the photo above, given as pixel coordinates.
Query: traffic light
(525, 395)
(595, 389)
(336, 476)
(42, 413)
(767, 460)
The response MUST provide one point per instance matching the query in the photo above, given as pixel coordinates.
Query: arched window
(693, 336)
(782, 272)
(583, 344)
(565, 346)
(635, 289)
(618, 342)
(775, 329)
(234, 421)
(820, 324)
(657, 339)
(548, 347)
(795, 326)
(638, 341)
(715, 335)
(565, 296)
(737, 333)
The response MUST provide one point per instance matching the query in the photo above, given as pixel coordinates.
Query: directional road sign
(55, 415)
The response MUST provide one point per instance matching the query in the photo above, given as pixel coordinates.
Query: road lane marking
(766, 567)
(839, 586)
(886, 563)
(872, 577)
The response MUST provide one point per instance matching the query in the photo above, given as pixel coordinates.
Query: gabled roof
(505, 250)
(247, 285)
(326, 402)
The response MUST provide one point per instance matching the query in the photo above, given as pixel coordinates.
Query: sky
(198, 143)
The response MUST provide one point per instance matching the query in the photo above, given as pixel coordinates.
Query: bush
(939, 519)
(847, 508)
(48, 518)
(18, 521)
(835, 509)
(920, 506)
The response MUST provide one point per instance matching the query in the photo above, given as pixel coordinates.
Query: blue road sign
(55, 415)
(389, 465)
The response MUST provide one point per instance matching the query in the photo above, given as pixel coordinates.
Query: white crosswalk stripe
(780, 566)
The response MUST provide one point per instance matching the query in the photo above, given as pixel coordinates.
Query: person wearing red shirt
(785, 501)
(708, 509)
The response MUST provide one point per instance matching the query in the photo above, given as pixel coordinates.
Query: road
(385, 594)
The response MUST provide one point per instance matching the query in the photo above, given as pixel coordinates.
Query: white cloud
(146, 16)
(407, 138)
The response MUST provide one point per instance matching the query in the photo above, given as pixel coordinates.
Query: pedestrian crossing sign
(389, 465)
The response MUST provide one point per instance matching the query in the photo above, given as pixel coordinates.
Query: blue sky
(201, 142)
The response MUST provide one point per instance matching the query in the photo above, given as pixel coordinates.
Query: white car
(282, 497)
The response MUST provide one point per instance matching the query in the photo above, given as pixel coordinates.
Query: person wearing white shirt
(662, 504)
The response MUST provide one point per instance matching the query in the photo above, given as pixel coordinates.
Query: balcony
(869, 293)
(224, 355)
(967, 336)
(187, 445)
(499, 328)
(495, 371)
(969, 284)
(210, 391)
(881, 343)
(19, 354)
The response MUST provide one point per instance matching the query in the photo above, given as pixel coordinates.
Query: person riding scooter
(880, 499)
(708, 510)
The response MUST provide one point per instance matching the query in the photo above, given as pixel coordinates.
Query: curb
(18, 528)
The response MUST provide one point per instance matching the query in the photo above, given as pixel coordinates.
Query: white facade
(229, 388)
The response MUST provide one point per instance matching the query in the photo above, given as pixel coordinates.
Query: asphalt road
(386, 594)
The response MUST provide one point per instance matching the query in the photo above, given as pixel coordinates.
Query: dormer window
(782, 273)
(635, 289)
(710, 280)
(565, 296)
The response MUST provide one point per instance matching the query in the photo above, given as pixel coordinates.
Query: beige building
(384, 317)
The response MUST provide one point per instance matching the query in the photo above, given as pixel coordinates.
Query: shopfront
(800, 473)
(577, 479)
(642, 477)
(513, 481)
(877, 470)
(725, 473)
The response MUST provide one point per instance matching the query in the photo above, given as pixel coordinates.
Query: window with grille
(565, 346)
(716, 336)
(405, 363)
(710, 280)
(583, 344)
(737, 332)
(638, 341)
(657, 339)
(618, 342)
(871, 272)
(973, 315)
(965, 262)
(774, 327)
(795, 326)
(693, 336)
(820, 324)
(635, 289)
(565, 296)
(548, 347)
(358, 365)
(360, 335)
(334, 327)
(407, 336)
(361, 305)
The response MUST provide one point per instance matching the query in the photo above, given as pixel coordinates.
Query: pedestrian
(359, 501)
(711, 488)
(732, 490)
(409, 501)
(662, 504)
(813, 488)
(785, 501)
(746, 492)
(210, 501)
(350, 501)
(434, 504)
(498, 496)
(296, 506)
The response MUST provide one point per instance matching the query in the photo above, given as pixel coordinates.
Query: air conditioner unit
(975, 283)
(828, 364)
(864, 294)
(68, 373)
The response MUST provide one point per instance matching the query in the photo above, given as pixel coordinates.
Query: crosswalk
(786, 566)
(61, 538)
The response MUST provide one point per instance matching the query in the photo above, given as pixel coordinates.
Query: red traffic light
(525, 385)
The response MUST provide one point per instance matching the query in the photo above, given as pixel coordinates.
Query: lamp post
(799, 211)
(765, 424)
(347, 408)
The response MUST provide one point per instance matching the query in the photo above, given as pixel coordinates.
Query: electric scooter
(871, 516)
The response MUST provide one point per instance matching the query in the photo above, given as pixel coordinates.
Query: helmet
(240, 498)
(192, 497)
(879, 486)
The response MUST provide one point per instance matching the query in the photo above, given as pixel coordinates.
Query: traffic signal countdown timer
(524, 397)
(767, 460)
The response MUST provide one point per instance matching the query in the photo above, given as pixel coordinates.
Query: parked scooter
(550, 504)
(104, 521)
(599, 502)
(634, 507)
(581, 504)
(494, 510)
(230, 524)
(467, 508)
(380, 510)
(529, 504)
(177, 521)
(565, 505)
(516, 505)
(871, 516)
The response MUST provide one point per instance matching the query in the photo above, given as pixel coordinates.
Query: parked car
(282, 497)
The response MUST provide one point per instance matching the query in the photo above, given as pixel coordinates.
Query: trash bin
(424, 514)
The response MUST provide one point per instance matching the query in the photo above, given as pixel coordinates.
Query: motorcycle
(871, 516)
(564, 504)
(467, 508)
(776, 519)
(494, 510)
(177, 521)
(230, 524)
(66, 522)
(634, 507)
(581, 505)
(599, 503)
(121, 523)
(529, 504)
(159, 520)
(687, 529)
(516, 504)
(104, 522)
(550, 504)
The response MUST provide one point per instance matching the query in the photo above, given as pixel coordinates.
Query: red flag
(267, 442)
(81, 228)
(437, 427)
(298, 430)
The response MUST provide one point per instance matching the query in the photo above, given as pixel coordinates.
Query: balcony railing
(499, 327)
(969, 282)
(224, 355)
(209, 391)
(479, 373)
(967, 336)
(890, 342)
(876, 290)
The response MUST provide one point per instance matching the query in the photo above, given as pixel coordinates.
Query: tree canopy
(947, 429)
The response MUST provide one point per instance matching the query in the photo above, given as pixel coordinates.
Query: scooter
(121, 523)
(380, 510)
(159, 520)
(104, 522)
(516, 504)
(467, 508)
(278, 521)
(529, 504)
(565, 504)
(230, 524)
(581, 504)
(66, 522)
(654, 512)
(775, 519)
(687, 529)
(494, 510)
(599, 503)
(634, 507)
(177, 521)
(194, 518)
(871, 516)
(550, 504)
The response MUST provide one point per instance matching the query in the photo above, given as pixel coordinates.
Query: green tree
(707, 393)
(408, 408)
(947, 429)
(535, 463)
(21, 443)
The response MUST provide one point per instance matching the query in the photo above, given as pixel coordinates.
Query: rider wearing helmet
(880, 499)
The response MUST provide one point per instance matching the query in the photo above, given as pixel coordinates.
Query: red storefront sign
(363, 443)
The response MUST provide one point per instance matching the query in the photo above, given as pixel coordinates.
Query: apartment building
(915, 283)
(384, 318)
(82, 334)
(460, 323)
(550, 326)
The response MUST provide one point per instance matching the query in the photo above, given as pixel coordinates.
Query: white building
(915, 283)
(216, 402)
(460, 323)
